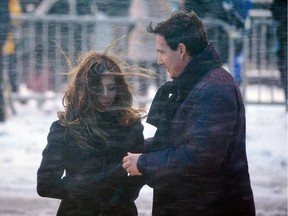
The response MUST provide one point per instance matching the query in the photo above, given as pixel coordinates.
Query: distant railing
(261, 80)
(41, 42)
(41, 65)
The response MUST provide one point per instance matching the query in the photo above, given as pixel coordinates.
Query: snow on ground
(23, 137)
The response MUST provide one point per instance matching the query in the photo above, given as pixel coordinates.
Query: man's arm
(209, 129)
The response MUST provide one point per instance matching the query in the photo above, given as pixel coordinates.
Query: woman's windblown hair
(82, 115)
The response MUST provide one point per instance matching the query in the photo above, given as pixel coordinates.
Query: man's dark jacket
(196, 162)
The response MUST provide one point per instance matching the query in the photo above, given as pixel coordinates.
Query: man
(196, 162)
(9, 47)
(4, 29)
(279, 13)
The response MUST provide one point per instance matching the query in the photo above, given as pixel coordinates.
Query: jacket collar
(198, 67)
(172, 93)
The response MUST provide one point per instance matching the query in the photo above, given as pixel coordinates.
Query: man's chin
(171, 76)
(167, 71)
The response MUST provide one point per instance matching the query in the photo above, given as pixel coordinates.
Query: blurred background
(251, 36)
(244, 31)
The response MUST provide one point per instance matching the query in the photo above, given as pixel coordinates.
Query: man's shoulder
(217, 80)
(218, 76)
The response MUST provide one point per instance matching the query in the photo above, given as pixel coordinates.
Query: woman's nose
(104, 92)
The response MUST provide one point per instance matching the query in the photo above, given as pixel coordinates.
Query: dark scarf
(172, 94)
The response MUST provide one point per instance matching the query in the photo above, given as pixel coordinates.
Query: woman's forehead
(107, 79)
(106, 72)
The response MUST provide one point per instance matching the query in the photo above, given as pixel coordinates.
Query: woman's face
(107, 92)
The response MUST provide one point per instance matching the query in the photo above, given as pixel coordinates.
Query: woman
(81, 163)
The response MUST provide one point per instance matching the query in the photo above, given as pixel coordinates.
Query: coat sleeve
(126, 188)
(211, 117)
(49, 175)
(135, 183)
(132, 184)
(51, 181)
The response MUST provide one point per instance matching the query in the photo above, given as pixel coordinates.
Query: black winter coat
(196, 162)
(94, 180)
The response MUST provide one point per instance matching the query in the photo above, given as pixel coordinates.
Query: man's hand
(130, 164)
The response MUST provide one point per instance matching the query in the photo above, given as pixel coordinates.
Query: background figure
(4, 29)
(87, 143)
(212, 9)
(232, 12)
(9, 48)
(82, 7)
(113, 8)
(279, 13)
(40, 76)
(237, 11)
(141, 47)
(206, 8)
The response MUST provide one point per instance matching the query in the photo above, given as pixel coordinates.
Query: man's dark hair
(183, 27)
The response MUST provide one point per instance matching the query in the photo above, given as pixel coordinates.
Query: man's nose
(159, 61)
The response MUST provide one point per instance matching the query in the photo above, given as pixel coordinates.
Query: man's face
(169, 58)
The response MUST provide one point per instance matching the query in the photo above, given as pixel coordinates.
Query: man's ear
(182, 50)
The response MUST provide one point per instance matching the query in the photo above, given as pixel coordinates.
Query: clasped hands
(130, 164)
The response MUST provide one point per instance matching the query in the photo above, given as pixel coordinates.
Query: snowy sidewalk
(23, 137)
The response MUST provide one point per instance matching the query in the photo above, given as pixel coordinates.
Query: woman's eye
(103, 90)
(95, 89)
(112, 88)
